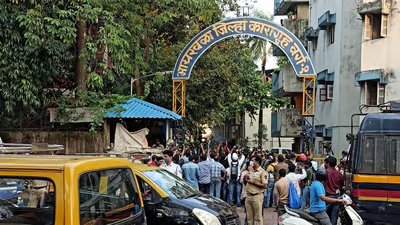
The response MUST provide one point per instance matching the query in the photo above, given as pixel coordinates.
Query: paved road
(269, 218)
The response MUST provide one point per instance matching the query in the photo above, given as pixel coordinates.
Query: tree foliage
(83, 54)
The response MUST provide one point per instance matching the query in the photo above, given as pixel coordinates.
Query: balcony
(326, 20)
(286, 83)
(286, 123)
(374, 7)
(298, 27)
(283, 7)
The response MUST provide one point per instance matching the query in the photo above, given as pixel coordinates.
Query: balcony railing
(298, 27)
(286, 123)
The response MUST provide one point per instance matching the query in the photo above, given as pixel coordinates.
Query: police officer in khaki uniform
(37, 191)
(257, 182)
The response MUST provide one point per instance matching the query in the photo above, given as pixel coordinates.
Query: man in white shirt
(240, 157)
(169, 165)
(296, 178)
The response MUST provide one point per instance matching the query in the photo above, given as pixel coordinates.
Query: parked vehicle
(70, 190)
(374, 162)
(171, 200)
(281, 150)
(347, 215)
(11, 190)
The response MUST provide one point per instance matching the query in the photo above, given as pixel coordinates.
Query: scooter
(347, 215)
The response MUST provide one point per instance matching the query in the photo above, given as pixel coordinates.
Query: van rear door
(370, 185)
(392, 148)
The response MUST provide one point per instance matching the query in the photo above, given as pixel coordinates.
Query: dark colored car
(171, 200)
(11, 191)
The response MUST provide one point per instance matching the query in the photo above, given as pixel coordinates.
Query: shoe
(239, 206)
(275, 210)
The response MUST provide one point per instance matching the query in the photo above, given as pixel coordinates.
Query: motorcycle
(347, 215)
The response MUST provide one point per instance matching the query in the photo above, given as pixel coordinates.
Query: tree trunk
(147, 46)
(261, 112)
(81, 75)
(279, 142)
(138, 84)
(260, 125)
(263, 63)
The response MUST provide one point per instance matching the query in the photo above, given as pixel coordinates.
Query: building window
(381, 94)
(325, 92)
(375, 26)
(371, 92)
(384, 25)
(322, 94)
(374, 93)
(332, 34)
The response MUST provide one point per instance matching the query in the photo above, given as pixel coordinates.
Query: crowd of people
(260, 180)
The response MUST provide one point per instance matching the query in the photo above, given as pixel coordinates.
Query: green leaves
(122, 39)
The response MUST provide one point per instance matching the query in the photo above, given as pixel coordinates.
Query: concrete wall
(289, 122)
(73, 141)
(303, 11)
(383, 53)
(287, 80)
(251, 128)
(343, 58)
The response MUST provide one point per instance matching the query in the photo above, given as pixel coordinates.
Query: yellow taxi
(69, 190)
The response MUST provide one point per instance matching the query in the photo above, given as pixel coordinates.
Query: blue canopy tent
(140, 110)
(136, 108)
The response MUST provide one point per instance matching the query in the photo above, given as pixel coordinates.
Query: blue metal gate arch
(278, 35)
(275, 34)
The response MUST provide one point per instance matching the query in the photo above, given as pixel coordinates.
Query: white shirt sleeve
(229, 158)
(301, 176)
(241, 160)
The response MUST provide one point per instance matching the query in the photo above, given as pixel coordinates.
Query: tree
(109, 41)
(258, 49)
(27, 69)
(92, 48)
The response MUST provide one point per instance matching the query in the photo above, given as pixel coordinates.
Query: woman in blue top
(318, 198)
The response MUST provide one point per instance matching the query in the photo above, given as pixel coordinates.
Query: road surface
(270, 217)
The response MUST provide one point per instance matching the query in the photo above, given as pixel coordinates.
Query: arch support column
(178, 96)
(308, 108)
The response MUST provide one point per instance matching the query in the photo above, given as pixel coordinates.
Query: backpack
(294, 200)
(234, 170)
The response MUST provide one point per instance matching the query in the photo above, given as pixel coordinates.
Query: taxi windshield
(172, 184)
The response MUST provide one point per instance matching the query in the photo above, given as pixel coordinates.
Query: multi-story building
(380, 68)
(334, 44)
(288, 122)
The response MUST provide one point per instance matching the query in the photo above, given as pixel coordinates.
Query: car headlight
(205, 217)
